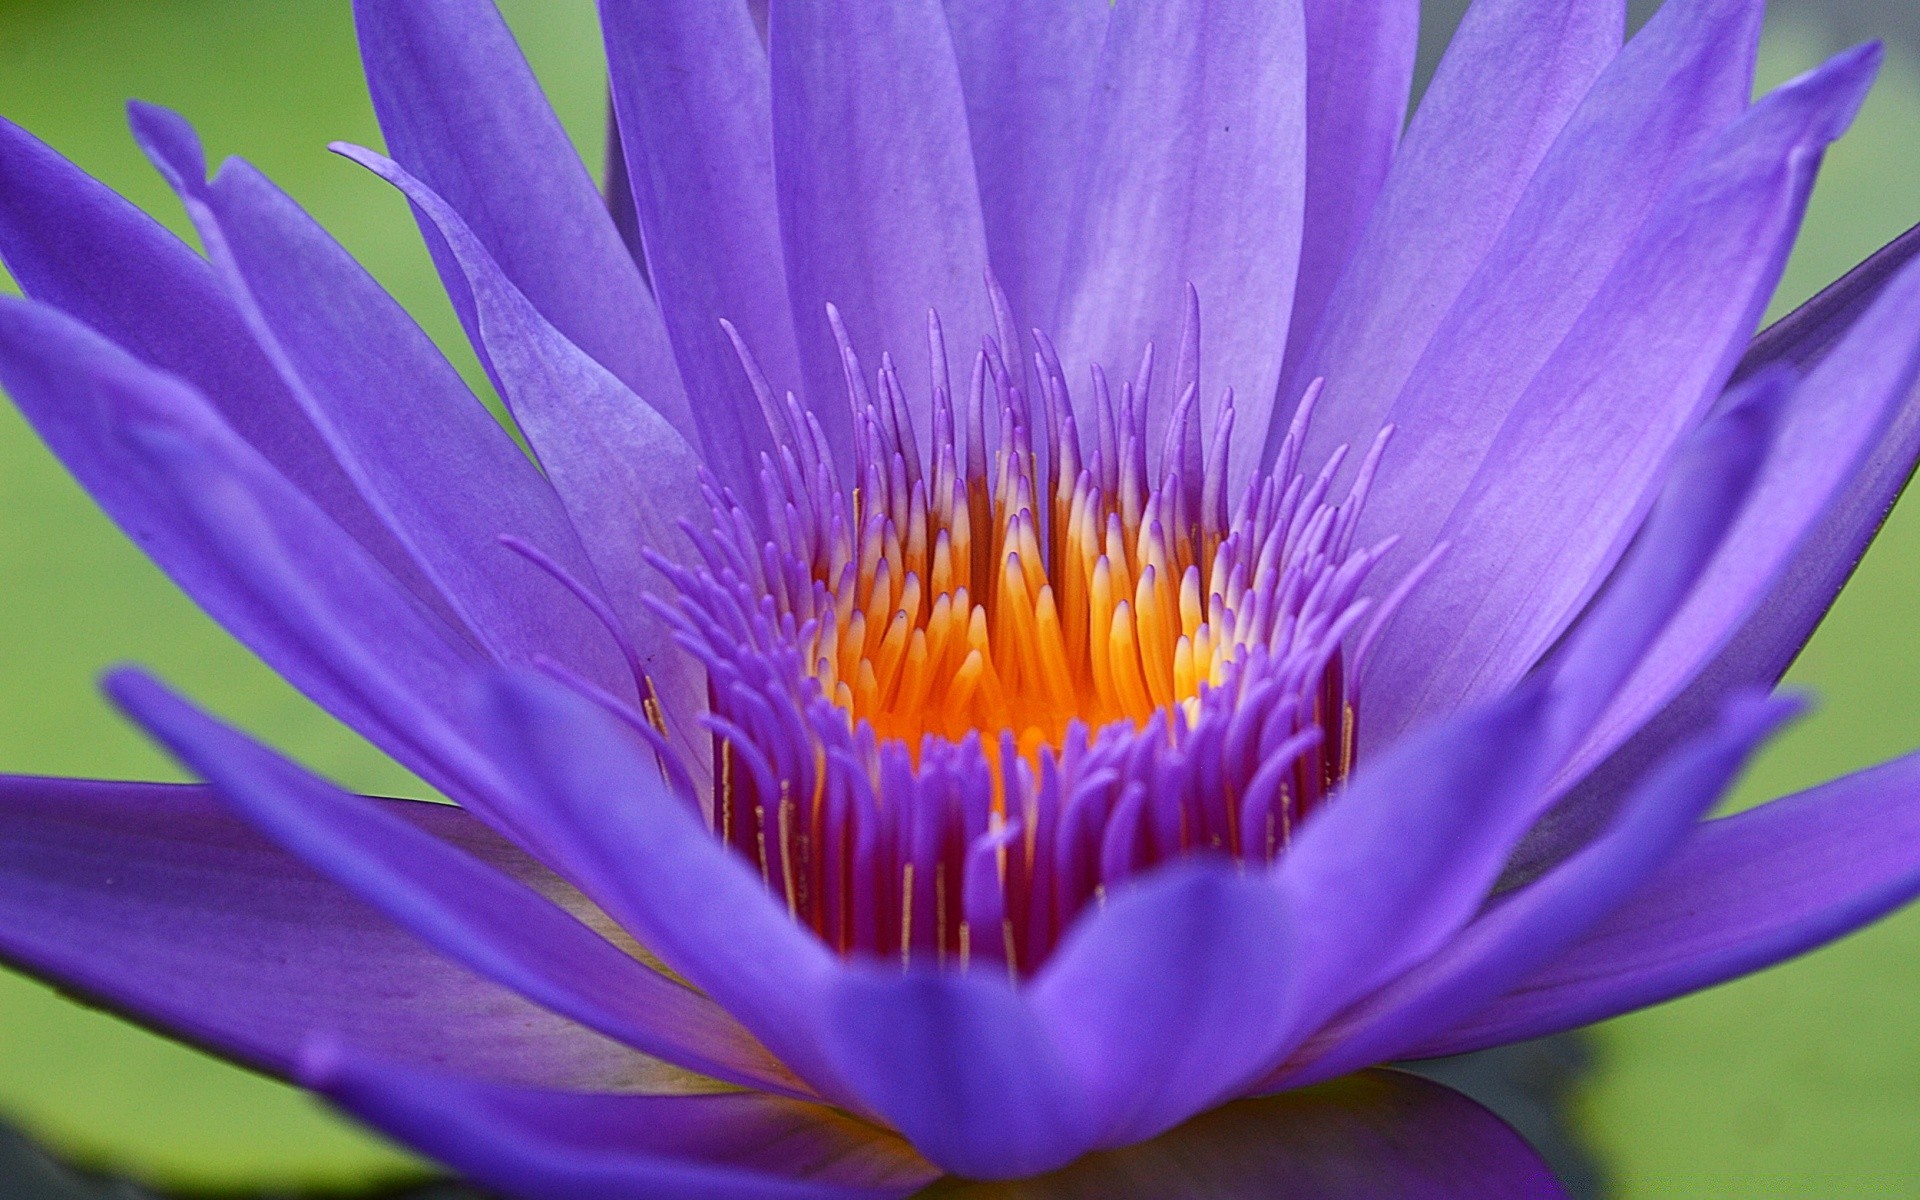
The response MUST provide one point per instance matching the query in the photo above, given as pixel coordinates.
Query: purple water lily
(1069, 571)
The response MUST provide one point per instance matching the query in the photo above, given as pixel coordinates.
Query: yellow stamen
(965, 613)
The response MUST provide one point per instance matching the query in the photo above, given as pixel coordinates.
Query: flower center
(1016, 597)
(956, 698)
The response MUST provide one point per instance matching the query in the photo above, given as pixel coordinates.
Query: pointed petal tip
(133, 689)
(126, 679)
(170, 143)
(1837, 88)
(1755, 710)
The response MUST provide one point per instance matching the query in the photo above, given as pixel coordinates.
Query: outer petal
(1513, 75)
(618, 190)
(1848, 434)
(1533, 924)
(1360, 56)
(462, 111)
(382, 395)
(690, 83)
(1804, 336)
(1447, 874)
(879, 209)
(1400, 860)
(546, 1145)
(73, 243)
(1682, 79)
(246, 545)
(595, 795)
(458, 904)
(1379, 1134)
(959, 1063)
(627, 478)
(1172, 995)
(1573, 469)
(1707, 490)
(1194, 172)
(1745, 892)
(1029, 73)
(155, 900)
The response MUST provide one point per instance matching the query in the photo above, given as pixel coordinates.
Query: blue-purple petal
(962, 1064)
(1804, 336)
(1193, 173)
(157, 901)
(1743, 893)
(245, 544)
(594, 795)
(1172, 995)
(1528, 927)
(423, 450)
(1028, 72)
(627, 478)
(461, 111)
(1366, 1137)
(691, 92)
(553, 1145)
(492, 924)
(1360, 56)
(1511, 78)
(73, 243)
(1405, 853)
(1708, 487)
(879, 208)
(1682, 79)
(1573, 469)
(1849, 437)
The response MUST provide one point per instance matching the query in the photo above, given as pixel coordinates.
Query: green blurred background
(1803, 1081)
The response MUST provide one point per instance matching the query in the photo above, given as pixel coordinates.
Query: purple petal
(436, 466)
(74, 244)
(552, 1145)
(1804, 336)
(962, 1064)
(483, 919)
(1172, 995)
(1360, 56)
(1400, 859)
(1193, 173)
(155, 900)
(1577, 463)
(1745, 892)
(593, 795)
(1707, 489)
(1028, 72)
(958, 1063)
(1366, 1137)
(245, 544)
(879, 208)
(1680, 81)
(690, 81)
(461, 110)
(618, 190)
(1515, 72)
(627, 478)
(1535, 923)
(1848, 439)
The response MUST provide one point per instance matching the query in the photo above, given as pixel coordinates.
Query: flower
(1289, 607)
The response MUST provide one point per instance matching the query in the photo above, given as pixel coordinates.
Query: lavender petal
(461, 111)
